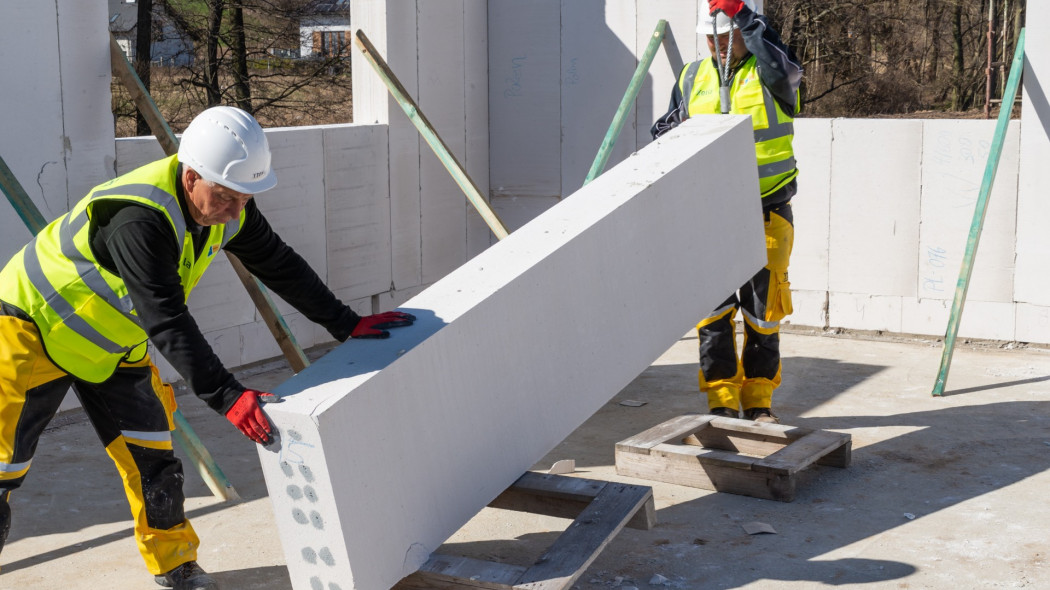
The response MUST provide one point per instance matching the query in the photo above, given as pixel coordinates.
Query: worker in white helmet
(750, 72)
(80, 301)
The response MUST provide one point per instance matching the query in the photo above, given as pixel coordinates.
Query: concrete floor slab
(943, 493)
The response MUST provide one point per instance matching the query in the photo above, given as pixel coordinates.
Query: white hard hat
(724, 23)
(227, 146)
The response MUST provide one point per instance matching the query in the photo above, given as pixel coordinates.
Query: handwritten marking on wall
(517, 67)
(955, 162)
(572, 75)
(933, 277)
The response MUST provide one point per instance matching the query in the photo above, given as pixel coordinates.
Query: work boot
(723, 412)
(764, 415)
(188, 576)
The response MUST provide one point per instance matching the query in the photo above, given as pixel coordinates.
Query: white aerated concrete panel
(476, 102)
(391, 27)
(524, 98)
(1032, 323)
(295, 208)
(955, 156)
(981, 319)
(1033, 208)
(357, 206)
(874, 231)
(389, 446)
(55, 113)
(133, 152)
(597, 61)
(810, 308)
(865, 312)
(811, 206)
(441, 77)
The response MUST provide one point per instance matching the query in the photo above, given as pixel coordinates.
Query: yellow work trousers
(748, 380)
(131, 413)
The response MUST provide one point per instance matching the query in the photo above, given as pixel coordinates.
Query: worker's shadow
(941, 458)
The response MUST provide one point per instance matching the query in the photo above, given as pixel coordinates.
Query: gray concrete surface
(943, 493)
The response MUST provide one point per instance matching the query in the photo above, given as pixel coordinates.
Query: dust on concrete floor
(943, 492)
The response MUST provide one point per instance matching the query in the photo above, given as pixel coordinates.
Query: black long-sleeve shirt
(135, 243)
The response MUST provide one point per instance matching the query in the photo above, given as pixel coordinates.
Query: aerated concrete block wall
(56, 128)
(884, 206)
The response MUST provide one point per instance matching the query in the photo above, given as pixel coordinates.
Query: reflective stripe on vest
(773, 128)
(85, 316)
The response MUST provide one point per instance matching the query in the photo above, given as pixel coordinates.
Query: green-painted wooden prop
(625, 105)
(427, 131)
(1005, 108)
(198, 454)
(20, 200)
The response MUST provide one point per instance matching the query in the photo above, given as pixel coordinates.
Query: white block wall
(55, 114)
(438, 50)
(380, 437)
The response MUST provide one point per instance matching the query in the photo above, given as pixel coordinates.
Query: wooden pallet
(601, 509)
(730, 455)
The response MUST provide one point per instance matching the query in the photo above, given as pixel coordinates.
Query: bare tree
(241, 59)
(143, 54)
(872, 57)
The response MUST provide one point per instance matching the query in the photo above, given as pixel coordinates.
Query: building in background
(325, 31)
(170, 46)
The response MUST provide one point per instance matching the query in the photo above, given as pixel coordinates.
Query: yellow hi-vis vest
(86, 319)
(774, 129)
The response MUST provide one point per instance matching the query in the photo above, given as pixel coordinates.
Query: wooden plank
(448, 571)
(801, 453)
(558, 486)
(578, 546)
(561, 497)
(673, 429)
(703, 471)
(762, 440)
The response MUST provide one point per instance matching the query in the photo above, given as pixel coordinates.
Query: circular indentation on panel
(309, 555)
(307, 472)
(294, 492)
(299, 516)
(295, 435)
(287, 469)
(326, 556)
(315, 517)
(316, 583)
(310, 493)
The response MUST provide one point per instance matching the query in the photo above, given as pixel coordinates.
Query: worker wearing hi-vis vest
(80, 301)
(750, 72)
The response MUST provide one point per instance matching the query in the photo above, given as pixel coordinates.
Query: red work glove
(375, 326)
(248, 417)
(730, 7)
